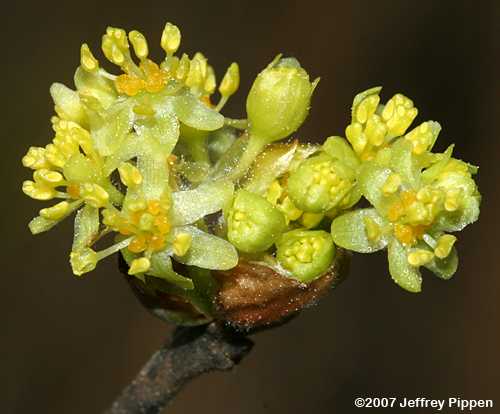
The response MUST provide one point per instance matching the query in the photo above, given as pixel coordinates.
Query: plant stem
(192, 352)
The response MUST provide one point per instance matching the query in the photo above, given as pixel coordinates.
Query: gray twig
(192, 352)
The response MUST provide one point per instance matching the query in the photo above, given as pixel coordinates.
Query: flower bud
(279, 99)
(320, 184)
(253, 223)
(307, 254)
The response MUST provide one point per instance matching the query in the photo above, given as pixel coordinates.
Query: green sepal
(406, 276)
(349, 231)
(207, 251)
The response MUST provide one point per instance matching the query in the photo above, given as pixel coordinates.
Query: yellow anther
(140, 265)
(289, 209)
(203, 63)
(56, 212)
(274, 192)
(210, 81)
(310, 220)
(156, 242)
(138, 244)
(421, 138)
(139, 43)
(170, 39)
(408, 198)
(398, 114)
(87, 59)
(420, 257)
(303, 256)
(194, 78)
(48, 177)
(136, 205)
(117, 56)
(94, 194)
(83, 261)
(38, 191)
(424, 195)
(367, 108)
(129, 174)
(129, 85)
(115, 46)
(372, 229)
(182, 243)
(230, 81)
(452, 200)
(354, 134)
(239, 216)
(392, 184)
(35, 159)
(444, 245)
(404, 234)
(395, 211)
(183, 68)
(154, 207)
(73, 190)
(375, 130)
(162, 224)
(155, 77)
(146, 222)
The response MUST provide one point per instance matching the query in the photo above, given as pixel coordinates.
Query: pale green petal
(338, 148)
(270, 165)
(371, 179)
(197, 115)
(362, 95)
(192, 205)
(86, 227)
(207, 251)
(109, 131)
(161, 267)
(444, 268)
(40, 224)
(404, 163)
(405, 275)
(455, 221)
(349, 231)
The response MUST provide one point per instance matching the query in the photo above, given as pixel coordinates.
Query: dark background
(69, 345)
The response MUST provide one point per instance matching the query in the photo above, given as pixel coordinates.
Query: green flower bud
(253, 223)
(320, 183)
(307, 254)
(279, 100)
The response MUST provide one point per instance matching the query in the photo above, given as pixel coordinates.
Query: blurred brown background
(69, 345)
